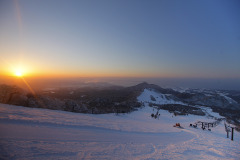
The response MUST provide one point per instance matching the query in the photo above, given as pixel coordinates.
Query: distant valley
(102, 99)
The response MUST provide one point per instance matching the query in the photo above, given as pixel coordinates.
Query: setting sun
(18, 74)
(19, 71)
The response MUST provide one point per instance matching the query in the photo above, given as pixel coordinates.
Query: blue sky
(127, 38)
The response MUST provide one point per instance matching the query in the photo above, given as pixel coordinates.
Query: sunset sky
(120, 38)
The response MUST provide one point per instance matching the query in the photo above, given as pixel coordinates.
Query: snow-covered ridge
(230, 100)
(208, 97)
(151, 96)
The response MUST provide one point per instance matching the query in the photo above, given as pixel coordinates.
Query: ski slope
(32, 133)
(159, 97)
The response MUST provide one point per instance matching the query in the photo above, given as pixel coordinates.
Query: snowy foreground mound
(31, 133)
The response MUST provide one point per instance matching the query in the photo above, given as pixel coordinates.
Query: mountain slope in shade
(115, 99)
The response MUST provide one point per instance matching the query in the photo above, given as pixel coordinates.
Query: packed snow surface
(31, 133)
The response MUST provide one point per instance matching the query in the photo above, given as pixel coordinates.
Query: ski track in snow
(31, 133)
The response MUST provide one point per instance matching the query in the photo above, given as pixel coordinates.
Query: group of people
(177, 125)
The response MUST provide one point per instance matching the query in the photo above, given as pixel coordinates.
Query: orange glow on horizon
(27, 69)
(19, 72)
(90, 74)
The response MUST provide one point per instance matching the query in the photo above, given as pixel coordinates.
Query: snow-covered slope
(31, 133)
(39, 133)
(151, 96)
